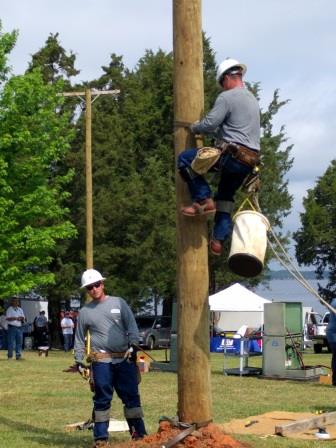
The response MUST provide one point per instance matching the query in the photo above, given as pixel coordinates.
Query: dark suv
(154, 331)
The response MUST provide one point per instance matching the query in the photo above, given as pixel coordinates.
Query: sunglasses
(94, 285)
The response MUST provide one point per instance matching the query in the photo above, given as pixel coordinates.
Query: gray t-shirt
(111, 324)
(235, 117)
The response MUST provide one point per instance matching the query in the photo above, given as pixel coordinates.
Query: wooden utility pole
(88, 179)
(194, 390)
(88, 163)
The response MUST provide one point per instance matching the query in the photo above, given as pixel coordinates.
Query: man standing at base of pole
(114, 336)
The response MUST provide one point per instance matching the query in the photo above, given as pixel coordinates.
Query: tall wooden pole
(194, 391)
(88, 165)
(88, 178)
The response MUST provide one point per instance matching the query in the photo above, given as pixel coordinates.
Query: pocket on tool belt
(205, 159)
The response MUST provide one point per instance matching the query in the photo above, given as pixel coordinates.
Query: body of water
(292, 291)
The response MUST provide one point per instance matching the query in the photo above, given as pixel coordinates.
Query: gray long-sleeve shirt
(235, 117)
(111, 324)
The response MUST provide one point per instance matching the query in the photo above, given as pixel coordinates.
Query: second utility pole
(88, 164)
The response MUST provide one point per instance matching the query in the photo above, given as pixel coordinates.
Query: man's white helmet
(91, 276)
(226, 65)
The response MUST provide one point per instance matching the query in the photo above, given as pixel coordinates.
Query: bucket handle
(248, 202)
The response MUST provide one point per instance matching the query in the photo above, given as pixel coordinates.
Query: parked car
(319, 336)
(154, 331)
(310, 320)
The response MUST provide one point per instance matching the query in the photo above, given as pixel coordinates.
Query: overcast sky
(286, 45)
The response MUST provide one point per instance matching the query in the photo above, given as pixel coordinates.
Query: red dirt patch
(210, 436)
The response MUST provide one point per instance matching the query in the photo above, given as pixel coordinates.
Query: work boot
(136, 428)
(101, 444)
(202, 207)
(215, 247)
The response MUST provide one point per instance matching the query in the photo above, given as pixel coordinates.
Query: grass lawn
(37, 400)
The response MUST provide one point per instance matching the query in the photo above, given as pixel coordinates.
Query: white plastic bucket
(28, 343)
(248, 243)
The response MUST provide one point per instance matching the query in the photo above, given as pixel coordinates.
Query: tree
(57, 64)
(133, 166)
(33, 142)
(54, 62)
(316, 239)
(7, 43)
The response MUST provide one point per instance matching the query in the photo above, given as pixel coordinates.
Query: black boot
(136, 428)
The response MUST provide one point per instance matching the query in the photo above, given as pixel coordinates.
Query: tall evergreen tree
(54, 62)
(134, 211)
(316, 238)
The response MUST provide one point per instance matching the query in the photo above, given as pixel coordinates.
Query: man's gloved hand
(191, 127)
(83, 370)
(131, 353)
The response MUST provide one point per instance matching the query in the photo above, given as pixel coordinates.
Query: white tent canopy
(237, 306)
(236, 298)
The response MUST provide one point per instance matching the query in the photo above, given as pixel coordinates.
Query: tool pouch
(205, 159)
(244, 155)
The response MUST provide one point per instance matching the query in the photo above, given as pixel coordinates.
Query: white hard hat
(91, 276)
(226, 65)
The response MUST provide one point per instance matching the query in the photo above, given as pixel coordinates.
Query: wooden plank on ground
(114, 426)
(302, 425)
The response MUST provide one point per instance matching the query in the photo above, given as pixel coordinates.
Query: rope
(290, 267)
(182, 124)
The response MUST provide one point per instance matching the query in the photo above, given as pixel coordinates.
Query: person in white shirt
(67, 326)
(15, 318)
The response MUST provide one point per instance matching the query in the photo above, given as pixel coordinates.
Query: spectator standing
(40, 329)
(15, 318)
(331, 337)
(4, 331)
(67, 326)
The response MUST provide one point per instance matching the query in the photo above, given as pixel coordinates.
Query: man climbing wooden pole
(194, 391)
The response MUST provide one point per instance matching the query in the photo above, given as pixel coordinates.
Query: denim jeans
(232, 174)
(15, 340)
(67, 342)
(332, 346)
(122, 378)
(4, 336)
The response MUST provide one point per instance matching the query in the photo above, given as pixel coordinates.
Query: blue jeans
(122, 378)
(232, 174)
(15, 339)
(4, 335)
(332, 346)
(67, 342)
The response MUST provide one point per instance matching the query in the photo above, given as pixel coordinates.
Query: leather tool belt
(97, 356)
(244, 155)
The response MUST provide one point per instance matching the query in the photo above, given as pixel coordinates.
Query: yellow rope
(88, 343)
(242, 205)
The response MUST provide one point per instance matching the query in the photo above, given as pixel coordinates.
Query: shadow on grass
(43, 436)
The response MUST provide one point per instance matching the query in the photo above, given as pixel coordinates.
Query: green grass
(37, 400)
